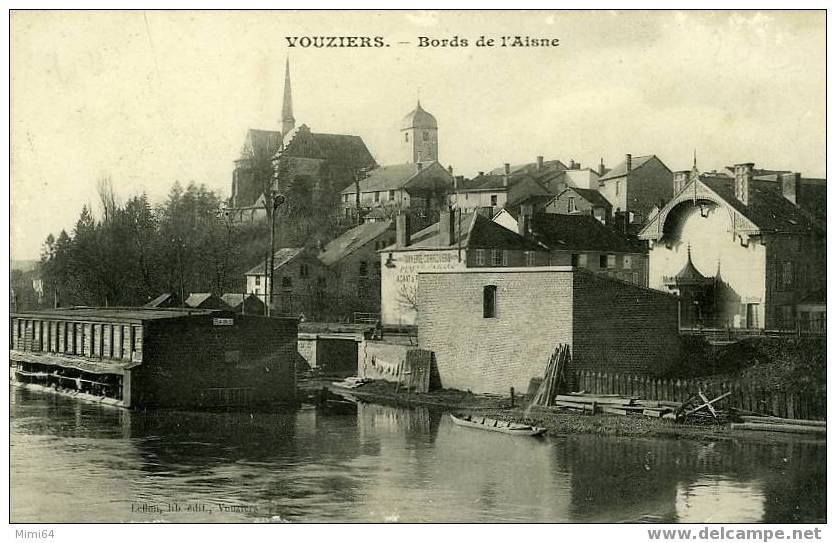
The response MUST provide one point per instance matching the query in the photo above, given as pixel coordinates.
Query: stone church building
(324, 163)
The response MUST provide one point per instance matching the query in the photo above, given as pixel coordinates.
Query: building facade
(742, 251)
(458, 241)
(302, 282)
(492, 329)
(636, 185)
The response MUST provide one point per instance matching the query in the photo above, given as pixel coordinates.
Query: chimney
(446, 228)
(524, 221)
(572, 164)
(450, 169)
(743, 181)
(790, 183)
(481, 174)
(601, 168)
(402, 229)
(507, 168)
(505, 176)
(540, 163)
(628, 158)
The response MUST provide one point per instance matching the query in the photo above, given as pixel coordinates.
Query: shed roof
(133, 314)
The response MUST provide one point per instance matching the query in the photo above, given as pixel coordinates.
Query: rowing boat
(493, 425)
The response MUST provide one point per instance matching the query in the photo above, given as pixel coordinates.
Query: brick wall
(622, 328)
(533, 315)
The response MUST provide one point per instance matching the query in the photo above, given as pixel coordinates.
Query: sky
(150, 98)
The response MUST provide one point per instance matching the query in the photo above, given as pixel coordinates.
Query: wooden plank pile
(616, 404)
(554, 380)
(776, 424)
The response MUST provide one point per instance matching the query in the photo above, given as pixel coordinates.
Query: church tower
(288, 121)
(419, 136)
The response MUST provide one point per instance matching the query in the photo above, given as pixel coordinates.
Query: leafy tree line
(135, 251)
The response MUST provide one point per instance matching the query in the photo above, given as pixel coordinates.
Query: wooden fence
(791, 405)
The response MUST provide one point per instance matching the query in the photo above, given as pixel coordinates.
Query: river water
(82, 462)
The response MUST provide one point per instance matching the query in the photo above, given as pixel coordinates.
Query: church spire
(288, 121)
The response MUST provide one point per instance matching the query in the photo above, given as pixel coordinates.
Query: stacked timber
(554, 379)
(615, 404)
(776, 424)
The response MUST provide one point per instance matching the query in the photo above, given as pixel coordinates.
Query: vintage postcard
(419, 267)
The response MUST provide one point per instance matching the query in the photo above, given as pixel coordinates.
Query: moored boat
(494, 425)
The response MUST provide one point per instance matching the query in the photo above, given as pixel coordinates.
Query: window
(602, 261)
(345, 198)
(570, 207)
(480, 257)
(530, 258)
(496, 258)
(489, 302)
(504, 258)
(257, 280)
(391, 195)
(376, 196)
(576, 260)
(287, 282)
(610, 261)
(493, 200)
(617, 188)
(627, 262)
(303, 270)
(582, 260)
(635, 278)
(364, 269)
(426, 135)
(406, 136)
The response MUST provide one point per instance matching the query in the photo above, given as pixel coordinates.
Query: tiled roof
(280, 258)
(531, 167)
(386, 178)
(635, 163)
(477, 232)
(351, 240)
(580, 233)
(592, 196)
(767, 209)
(489, 182)
(403, 176)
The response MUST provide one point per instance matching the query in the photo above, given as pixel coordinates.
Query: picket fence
(792, 405)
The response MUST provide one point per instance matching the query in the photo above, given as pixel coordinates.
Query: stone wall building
(302, 282)
(492, 329)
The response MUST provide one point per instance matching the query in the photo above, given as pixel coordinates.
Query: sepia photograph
(425, 267)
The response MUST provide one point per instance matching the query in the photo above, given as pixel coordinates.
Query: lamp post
(276, 199)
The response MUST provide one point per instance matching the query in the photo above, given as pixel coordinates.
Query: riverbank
(555, 420)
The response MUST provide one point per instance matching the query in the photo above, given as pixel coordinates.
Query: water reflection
(377, 463)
